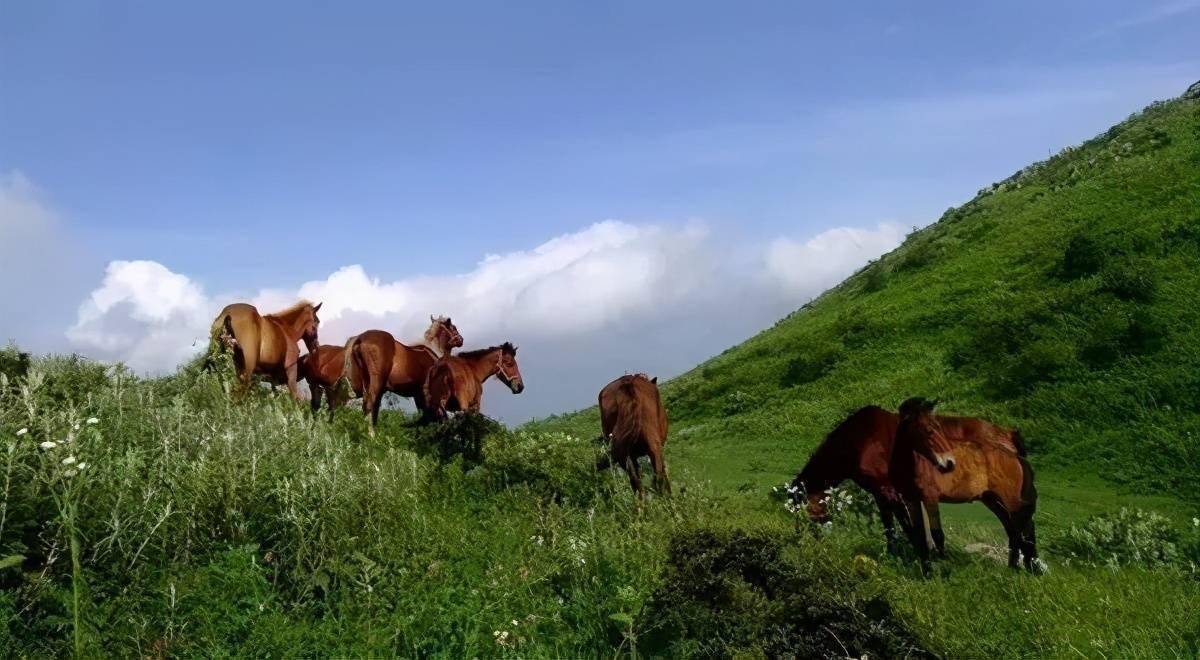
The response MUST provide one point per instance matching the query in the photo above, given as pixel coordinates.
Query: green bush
(1129, 537)
(1084, 256)
(812, 364)
(458, 435)
(552, 464)
(740, 594)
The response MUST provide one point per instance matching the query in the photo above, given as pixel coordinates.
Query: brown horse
(934, 459)
(633, 419)
(860, 449)
(265, 344)
(323, 368)
(455, 382)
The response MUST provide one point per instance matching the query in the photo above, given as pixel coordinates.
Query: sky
(614, 187)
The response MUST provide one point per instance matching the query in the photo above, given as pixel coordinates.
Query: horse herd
(910, 461)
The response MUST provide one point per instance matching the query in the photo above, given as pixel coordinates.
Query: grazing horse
(265, 344)
(860, 449)
(323, 368)
(934, 460)
(632, 417)
(455, 382)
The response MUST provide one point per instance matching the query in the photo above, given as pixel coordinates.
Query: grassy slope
(1097, 361)
(1061, 301)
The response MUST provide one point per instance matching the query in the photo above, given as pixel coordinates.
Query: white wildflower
(92, 420)
(22, 432)
(515, 622)
(68, 460)
(49, 444)
(1195, 522)
(69, 473)
(82, 466)
(76, 427)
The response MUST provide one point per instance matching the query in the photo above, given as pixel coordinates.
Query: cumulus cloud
(586, 306)
(805, 269)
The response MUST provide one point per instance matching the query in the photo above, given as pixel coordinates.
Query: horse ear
(431, 319)
(654, 380)
(929, 405)
(318, 306)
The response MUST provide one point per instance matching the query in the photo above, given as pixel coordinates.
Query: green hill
(1061, 300)
(161, 517)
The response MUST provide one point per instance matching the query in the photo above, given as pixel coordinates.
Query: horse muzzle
(945, 462)
(516, 386)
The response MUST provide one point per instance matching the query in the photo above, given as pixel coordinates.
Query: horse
(857, 449)
(265, 344)
(323, 368)
(937, 459)
(633, 418)
(455, 382)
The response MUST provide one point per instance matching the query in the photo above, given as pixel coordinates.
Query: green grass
(1061, 301)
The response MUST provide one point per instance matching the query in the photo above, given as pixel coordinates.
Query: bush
(739, 594)
(737, 402)
(1129, 537)
(1132, 280)
(1084, 256)
(552, 464)
(459, 435)
(810, 366)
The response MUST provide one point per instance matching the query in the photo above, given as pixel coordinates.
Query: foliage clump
(1130, 537)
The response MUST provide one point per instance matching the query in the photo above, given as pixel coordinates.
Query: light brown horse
(265, 344)
(633, 419)
(323, 368)
(455, 382)
(933, 461)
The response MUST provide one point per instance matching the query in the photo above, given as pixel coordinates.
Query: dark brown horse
(955, 459)
(859, 449)
(455, 382)
(323, 368)
(633, 419)
(265, 344)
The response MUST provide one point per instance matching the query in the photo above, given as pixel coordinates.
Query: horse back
(631, 410)
(410, 366)
(324, 366)
(979, 431)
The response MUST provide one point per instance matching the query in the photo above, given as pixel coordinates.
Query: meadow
(155, 517)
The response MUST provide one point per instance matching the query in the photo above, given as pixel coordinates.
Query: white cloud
(586, 306)
(805, 269)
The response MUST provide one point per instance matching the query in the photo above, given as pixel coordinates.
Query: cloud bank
(585, 306)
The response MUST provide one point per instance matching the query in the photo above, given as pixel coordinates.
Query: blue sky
(254, 147)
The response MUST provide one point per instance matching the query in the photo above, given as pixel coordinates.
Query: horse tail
(1019, 442)
(1028, 490)
(222, 325)
(344, 387)
(629, 418)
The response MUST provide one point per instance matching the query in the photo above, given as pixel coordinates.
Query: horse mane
(506, 347)
(291, 312)
(834, 447)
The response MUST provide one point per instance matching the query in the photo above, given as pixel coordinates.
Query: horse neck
(437, 344)
(484, 366)
(290, 323)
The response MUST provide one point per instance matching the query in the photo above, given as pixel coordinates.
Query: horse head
(443, 334)
(920, 427)
(507, 369)
(308, 324)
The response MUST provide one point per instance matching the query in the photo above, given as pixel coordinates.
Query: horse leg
(920, 535)
(315, 400)
(662, 483)
(935, 528)
(1006, 519)
(371, 400)
(1027, 541)
(635, 477)
(246, 367)
(292, 372)
(887, 517)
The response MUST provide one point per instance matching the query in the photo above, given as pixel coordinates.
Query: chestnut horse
(632, 417)
(455, 382)
(323, 368)
(860, 449)
(934, 460)
(265, 344)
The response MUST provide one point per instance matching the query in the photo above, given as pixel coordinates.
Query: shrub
(737, 402)
(459, 435)
(739, 594)
(553, 464)
(810, 366)
(1132, 280)
(1084, 256)
(1129, 537)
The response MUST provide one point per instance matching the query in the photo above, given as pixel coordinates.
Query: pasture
(155, 517)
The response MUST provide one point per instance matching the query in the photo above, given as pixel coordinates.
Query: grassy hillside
(1061, 300)
(159, 518)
